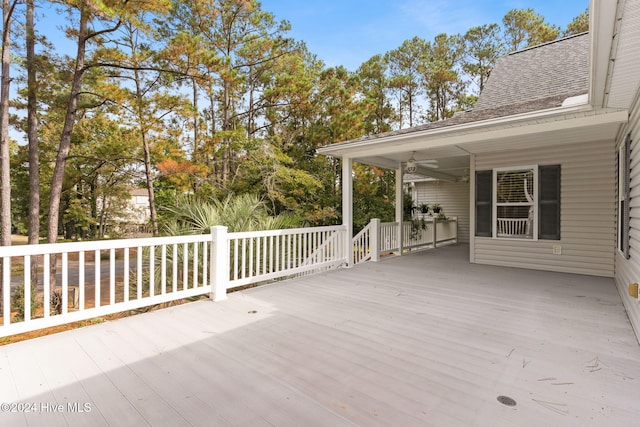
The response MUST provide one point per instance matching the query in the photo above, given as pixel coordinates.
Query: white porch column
(347, 207)
(374, 240)
(219, 273)
(399, 206)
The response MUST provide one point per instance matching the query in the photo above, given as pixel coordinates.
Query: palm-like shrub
(246, 212)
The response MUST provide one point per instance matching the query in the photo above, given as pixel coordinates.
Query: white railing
(362, 242)
(267, 255)
(385, 235)
(92, 279)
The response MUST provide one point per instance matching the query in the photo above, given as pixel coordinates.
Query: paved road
(74, 271)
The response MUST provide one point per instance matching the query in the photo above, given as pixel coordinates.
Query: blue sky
(348, 32)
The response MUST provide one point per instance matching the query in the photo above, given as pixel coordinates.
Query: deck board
(426, 339)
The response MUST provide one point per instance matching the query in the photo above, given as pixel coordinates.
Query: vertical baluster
(174, 270)
(277, 254)
(139, 273)
(152, 270)
(65, 283)
(195, 264)
(81, 287)
(96, 277)
(27, 288)
(46, 286)
(125, 275)
(205, 263)
(185, 266)
(112, 276)
(163, 270)
(269, 256)
(250, 254)
(6, 290)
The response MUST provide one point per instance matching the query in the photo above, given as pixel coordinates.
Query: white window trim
(494, 202)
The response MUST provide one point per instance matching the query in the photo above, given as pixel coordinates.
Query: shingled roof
(554, 69)
(528, 80)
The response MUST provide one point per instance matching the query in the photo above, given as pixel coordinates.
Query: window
(624, 189)
(515, 194)
(519, 202)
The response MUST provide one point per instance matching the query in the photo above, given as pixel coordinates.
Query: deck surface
(421, 340)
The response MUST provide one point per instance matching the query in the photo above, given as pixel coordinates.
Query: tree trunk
(5, 171)
(149, 176)
(5, 191)
(226, 144)
(32, 136)
(65, 139)
(147, 156)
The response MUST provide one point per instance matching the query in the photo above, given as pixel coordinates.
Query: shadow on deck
(424, 339)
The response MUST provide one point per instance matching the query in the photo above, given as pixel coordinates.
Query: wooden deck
(425, 339)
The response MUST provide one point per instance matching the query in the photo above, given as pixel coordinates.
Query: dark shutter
(625, 206)
(484, 201)
(549, 202)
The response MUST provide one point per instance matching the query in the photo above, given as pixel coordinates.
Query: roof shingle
(552, 69)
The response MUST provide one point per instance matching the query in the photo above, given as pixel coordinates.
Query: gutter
(354, 145)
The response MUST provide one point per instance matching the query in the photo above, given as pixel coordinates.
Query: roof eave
(602, 24)
(349, 148)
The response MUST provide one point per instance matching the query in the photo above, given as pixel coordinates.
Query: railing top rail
(365, 230)
(284, 232)
(52, 248)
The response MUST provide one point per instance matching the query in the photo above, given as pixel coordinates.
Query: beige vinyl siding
(628, 271)
(587, 211)
(453, 197)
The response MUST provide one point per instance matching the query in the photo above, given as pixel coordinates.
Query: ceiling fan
(411, 165)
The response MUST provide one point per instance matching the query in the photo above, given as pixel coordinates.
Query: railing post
(374, 240)
(219, 272)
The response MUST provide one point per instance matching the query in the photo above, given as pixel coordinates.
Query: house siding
(627, 271)
(587, 211)
(453, 197)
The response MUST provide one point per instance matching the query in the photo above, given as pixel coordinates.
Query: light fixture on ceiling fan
(412, 164)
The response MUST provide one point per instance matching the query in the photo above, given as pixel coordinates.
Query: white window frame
(494, 218)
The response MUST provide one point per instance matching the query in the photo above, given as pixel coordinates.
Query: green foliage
(524, 28)
(483, 46)
(242, 213)
(18, 302)
(578, 25)
(212, 99)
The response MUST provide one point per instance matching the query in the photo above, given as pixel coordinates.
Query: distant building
(135, 217)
